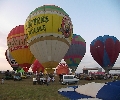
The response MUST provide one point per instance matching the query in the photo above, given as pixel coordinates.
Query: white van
(69, 79)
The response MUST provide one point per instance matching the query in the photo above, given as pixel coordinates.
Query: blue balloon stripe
(106, 60)
(100, 38)
(114, 39)
(103, 39)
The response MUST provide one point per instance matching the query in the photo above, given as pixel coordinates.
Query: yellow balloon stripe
(23, 56)
(50, 71)
(49, 22)
(50, 64)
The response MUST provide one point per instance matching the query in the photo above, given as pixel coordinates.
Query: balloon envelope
(62, 68)
(18, 48)
(50, 70)
(76, 52)
(26, 69)
(11, 60)
(105, 50)
(37, 67)
(49, 32)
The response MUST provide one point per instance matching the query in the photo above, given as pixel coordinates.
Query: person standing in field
(48, 80)
(53, 79)
(2, 81)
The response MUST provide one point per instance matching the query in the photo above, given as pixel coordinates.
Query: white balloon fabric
(10, 59)
(89, 99)
(66, 89)
(93, 91)
(87, 88)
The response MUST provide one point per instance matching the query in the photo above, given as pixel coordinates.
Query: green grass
(25, 90)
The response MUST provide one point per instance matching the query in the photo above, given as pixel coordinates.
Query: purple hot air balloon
(76, 52)
(105, 51)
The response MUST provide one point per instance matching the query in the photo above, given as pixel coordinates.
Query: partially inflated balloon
(18, 48)
(105, 50)
(49, 33)
(11, 60)
(62, 68)
(26, 69)
(76, 52)
(37, 67)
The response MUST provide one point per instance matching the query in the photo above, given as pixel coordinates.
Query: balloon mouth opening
(25, 65)
(15, 68)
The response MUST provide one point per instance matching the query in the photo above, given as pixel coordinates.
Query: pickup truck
(69, 79)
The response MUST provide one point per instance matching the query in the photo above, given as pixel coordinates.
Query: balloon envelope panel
(76, 52)
(37, 67)
(11, 60)
(62, 68)
(26, 69)
(18, 48)
(49, 70)
(49, 33)
(105, 50)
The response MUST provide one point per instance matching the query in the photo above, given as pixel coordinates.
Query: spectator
(53, 79)
(48, 80)
(2, 81)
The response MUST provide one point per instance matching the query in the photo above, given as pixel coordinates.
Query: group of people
(44, 79)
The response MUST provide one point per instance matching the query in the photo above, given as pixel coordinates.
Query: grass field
(25, 90)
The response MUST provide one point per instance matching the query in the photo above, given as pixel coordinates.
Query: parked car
(17, 78)
(90, 78)
(24, 76)
(100, 77)
(69, 79)
(8, 77)
(28, 76)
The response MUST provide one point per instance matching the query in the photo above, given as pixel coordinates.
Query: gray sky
(90, 18)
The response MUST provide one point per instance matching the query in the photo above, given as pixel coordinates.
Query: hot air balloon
(11, 60)
(37, 67)
(26, 69)
(18, 48)
(76, 52)
(62, 68)
(49, 33)
(105, 51)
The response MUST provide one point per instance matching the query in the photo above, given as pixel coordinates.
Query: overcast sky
(90, 18)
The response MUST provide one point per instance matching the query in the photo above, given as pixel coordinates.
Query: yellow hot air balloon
(50, 70)
(18, 48)
(49, 33)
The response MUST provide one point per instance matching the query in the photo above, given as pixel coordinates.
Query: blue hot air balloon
(105, 51)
